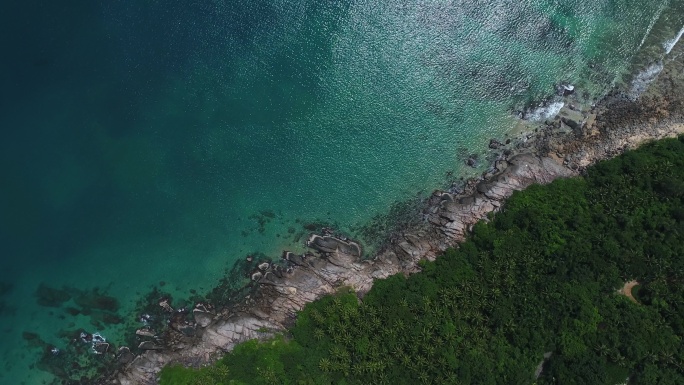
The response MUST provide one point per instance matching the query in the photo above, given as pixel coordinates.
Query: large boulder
(330, 245)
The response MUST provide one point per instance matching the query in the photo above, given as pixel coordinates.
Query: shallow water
(163, 141)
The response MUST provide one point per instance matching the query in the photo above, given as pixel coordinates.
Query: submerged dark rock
(472, 160)
(51, 297)
(94, 300)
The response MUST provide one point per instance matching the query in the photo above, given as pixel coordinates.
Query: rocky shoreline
(561, 147)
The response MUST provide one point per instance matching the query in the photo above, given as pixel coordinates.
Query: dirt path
(627, 290)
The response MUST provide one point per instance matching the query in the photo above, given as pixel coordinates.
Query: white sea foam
(652, 23)
(544, 112)
(670, 44)
(643, 79)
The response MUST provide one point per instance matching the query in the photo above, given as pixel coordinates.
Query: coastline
(562, 147)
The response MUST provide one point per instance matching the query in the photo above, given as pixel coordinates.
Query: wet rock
(566, 89)
(100, 347)
(278, 272)
(187, 330)
(149, 345)
(472, 161)
(164, 303)
(203, 318)
(571, 123)
(494, 144)
(329, 244)
(264, 266)
(298, 260)
(286, 255)
(124, 355)
(501, 165)
(144, 332)
(257, 276)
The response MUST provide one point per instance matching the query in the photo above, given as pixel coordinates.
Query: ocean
(152, 145)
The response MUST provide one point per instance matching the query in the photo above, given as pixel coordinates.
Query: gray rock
(203, 318)
(149, 345)
(144, 332)
(567, 89)
(571, 123)
(494, 144)
(329, 245)
(187, 330)
(264, 266)
(124, 355)
(100, 347)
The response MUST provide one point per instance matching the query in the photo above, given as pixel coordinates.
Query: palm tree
(618, 358)
(399, 325)
(337, 352)
(679, 364)
(375, 321)
(667, 357)
(421, 361)
(424, 377)
(391, 333)
(450, 335)
(602, 350)
(347, 338)
(510, 325)
(325, 365)
(316, 316)
(382, 379)
(357, 368)
(429, 351)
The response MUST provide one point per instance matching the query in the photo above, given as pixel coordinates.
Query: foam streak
(670, 44)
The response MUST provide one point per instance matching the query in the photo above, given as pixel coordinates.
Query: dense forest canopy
(534, 296)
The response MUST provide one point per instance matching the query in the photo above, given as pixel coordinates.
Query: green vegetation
(541, 276)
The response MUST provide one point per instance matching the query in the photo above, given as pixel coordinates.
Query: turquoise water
(149, 142)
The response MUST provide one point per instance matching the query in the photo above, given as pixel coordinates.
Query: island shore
(562, 146)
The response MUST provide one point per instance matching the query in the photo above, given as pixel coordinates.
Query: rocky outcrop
(553, 152)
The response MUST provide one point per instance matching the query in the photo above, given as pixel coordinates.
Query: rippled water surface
(164, 140)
